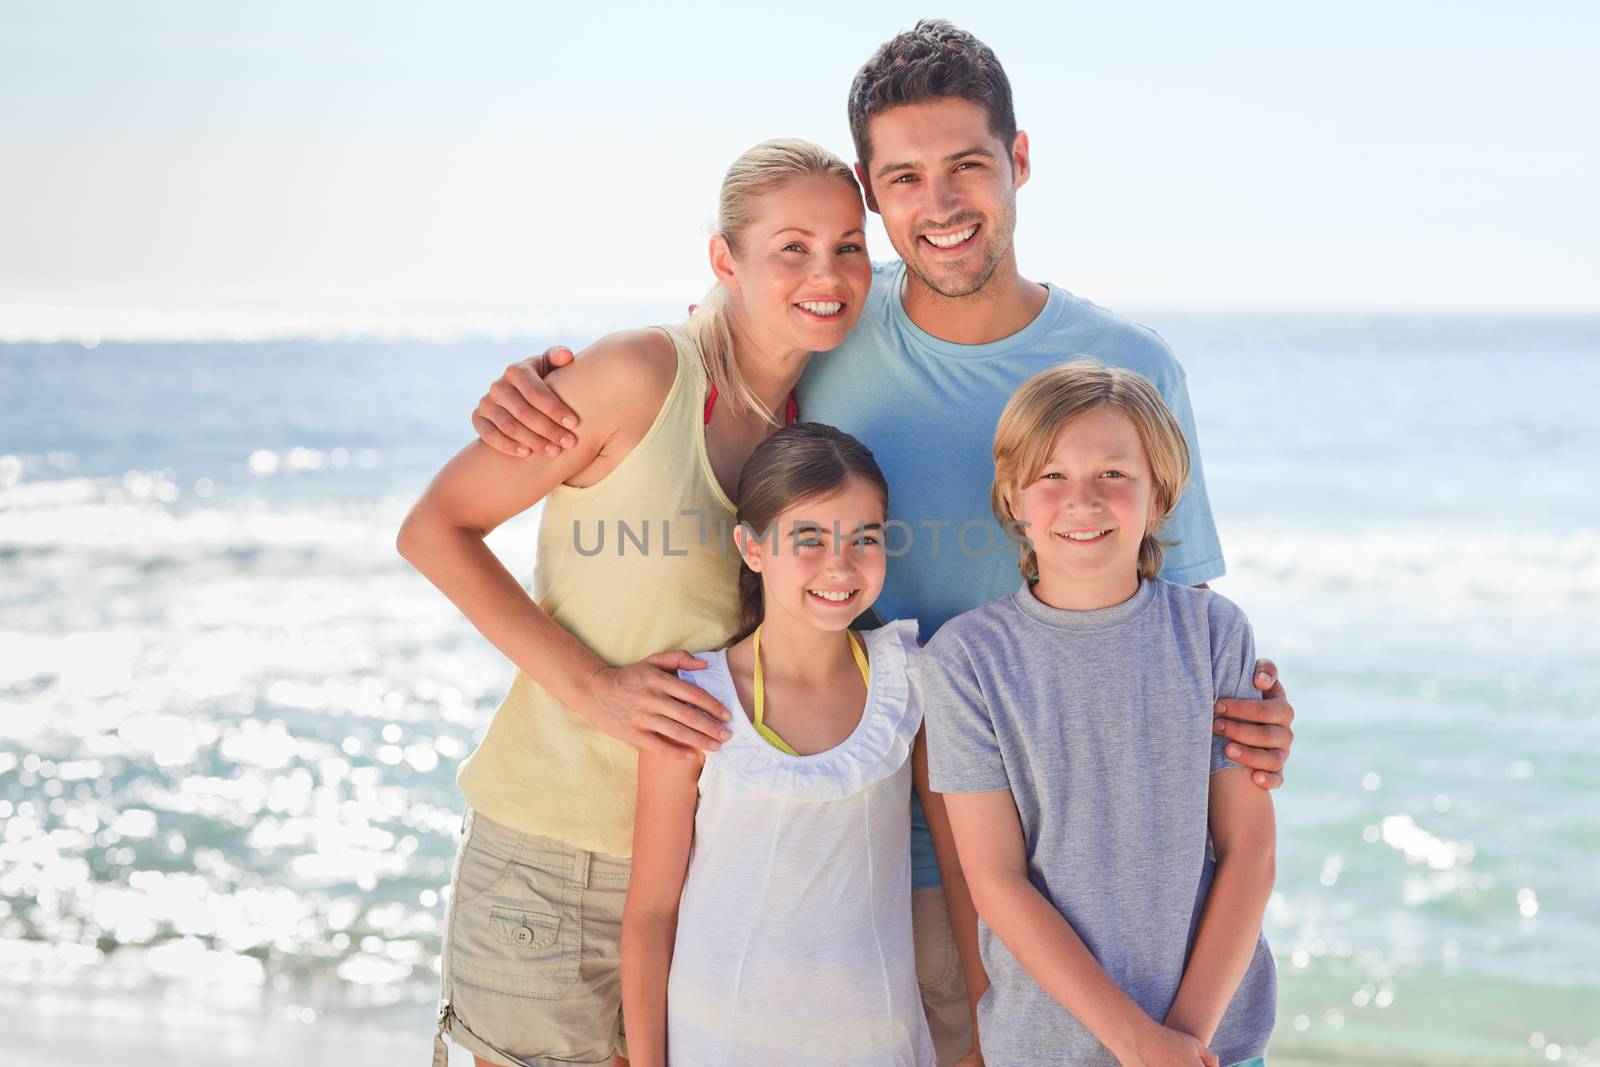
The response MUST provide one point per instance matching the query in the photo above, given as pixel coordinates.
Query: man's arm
(988, 835)
(957, 897)
(521, 414)
(1259, 730)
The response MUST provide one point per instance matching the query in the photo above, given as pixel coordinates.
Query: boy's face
(1090, 505)
(946, 187)
(808, 572)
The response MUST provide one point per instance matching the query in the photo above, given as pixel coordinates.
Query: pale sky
(309, 155)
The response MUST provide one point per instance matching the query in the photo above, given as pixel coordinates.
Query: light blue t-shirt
(928, 409)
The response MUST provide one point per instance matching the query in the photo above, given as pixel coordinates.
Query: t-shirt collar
(1098, 619)
(1023, 339)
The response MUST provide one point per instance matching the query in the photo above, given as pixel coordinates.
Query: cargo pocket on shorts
(524, 929)
(522, 936)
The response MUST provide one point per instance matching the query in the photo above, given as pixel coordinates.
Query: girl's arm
(620, 384)
(988, 836)
(1244, 836)
(663, 830)
(957, 897)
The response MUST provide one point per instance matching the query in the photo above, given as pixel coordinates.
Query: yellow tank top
(641, 562)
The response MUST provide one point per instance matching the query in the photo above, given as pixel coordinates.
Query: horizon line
(92, 324)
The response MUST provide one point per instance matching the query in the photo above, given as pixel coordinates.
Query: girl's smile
(822, 559)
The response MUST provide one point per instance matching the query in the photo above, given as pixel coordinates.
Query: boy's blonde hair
(1051, 399)
(764, 168)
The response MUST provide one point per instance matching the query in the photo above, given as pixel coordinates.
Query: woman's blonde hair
(759, 171)
(1051, 399)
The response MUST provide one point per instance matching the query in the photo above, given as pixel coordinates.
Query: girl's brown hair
(802, 462)
(1051, 399)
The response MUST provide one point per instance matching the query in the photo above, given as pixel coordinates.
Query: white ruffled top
(794, 930)
(879, 745)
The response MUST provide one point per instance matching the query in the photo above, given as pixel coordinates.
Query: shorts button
(522, 936)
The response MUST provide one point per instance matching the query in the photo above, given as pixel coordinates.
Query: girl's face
(1088, 509)
(800, 279)
(822, 561)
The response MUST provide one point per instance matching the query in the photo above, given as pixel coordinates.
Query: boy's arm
(957, 897)
(1244, 836)
(988, 836)
(663, 831)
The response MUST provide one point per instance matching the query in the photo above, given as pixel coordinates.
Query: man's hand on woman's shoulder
(521, 414)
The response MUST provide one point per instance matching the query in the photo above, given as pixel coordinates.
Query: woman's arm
(957, 897)
(1244, 836)
(988, 836)
(620, 384)
(663, 830)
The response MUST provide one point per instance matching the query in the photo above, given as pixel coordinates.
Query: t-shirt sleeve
(1233, 665)
(963, 752)
(1196, 554)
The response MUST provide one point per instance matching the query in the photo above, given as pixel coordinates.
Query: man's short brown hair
(931, 61)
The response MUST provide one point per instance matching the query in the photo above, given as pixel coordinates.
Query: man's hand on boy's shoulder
(1259, 730)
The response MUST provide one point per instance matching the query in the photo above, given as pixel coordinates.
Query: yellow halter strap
(761, 689)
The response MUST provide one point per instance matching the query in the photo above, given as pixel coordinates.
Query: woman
(634, 556)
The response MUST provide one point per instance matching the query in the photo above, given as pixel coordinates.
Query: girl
(1070, 725)
(769, 916)
(632, 560)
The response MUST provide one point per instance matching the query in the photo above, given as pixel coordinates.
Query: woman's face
(822, 561)
(801, 274)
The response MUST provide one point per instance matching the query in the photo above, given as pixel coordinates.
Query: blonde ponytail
(758, 171)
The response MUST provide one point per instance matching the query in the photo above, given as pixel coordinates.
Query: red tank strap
(791, 409)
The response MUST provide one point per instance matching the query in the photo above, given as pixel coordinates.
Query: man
(948, 334)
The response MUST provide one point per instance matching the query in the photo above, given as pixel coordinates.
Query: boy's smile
(1094, 498)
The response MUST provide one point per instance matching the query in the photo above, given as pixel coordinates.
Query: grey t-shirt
(1100, 724)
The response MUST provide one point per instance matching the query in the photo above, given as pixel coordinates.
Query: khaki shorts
(944, 988)
(532, 972)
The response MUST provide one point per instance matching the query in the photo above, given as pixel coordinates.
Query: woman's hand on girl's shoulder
(647, 705)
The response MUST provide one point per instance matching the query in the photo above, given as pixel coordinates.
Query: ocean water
(230, 715)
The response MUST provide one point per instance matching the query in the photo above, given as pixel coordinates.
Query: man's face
(946, 187)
